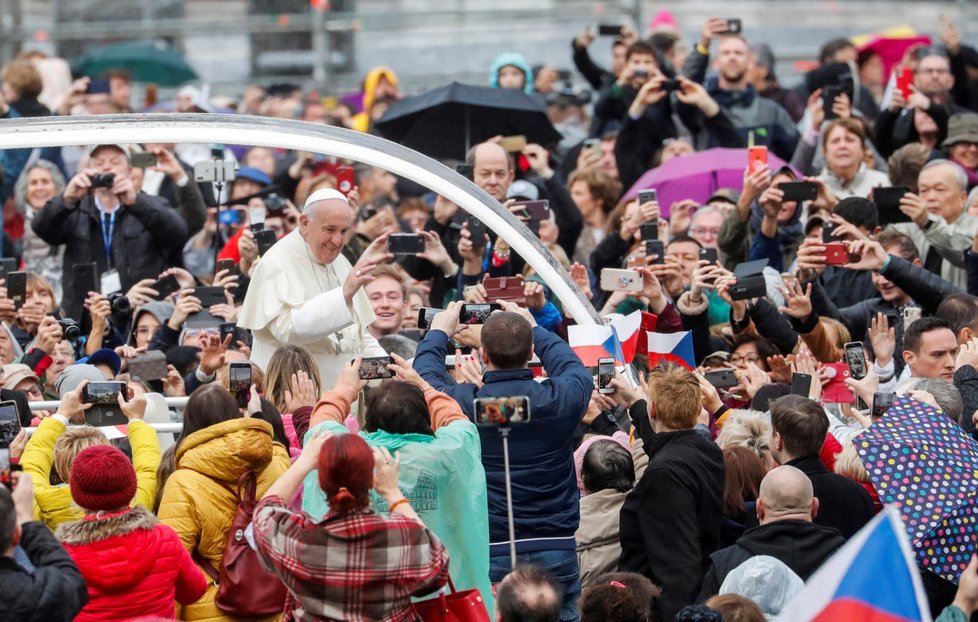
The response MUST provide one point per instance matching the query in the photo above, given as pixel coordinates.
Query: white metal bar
(177, 403)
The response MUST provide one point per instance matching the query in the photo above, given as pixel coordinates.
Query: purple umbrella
(697, 176)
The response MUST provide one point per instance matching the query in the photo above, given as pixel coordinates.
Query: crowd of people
(336, 460)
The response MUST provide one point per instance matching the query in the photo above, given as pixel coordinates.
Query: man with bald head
(786, 508)
(305, 292)
(940, 227)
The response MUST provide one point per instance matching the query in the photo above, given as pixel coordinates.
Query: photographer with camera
(101, 218)
(546, 501)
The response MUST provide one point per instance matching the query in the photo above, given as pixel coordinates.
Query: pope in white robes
(304, 292)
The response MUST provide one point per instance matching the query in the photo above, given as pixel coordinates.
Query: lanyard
(108, 226)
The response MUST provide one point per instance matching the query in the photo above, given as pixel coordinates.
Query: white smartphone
(614, 280)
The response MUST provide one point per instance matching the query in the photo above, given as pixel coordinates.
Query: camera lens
(120, 303)
(70, 329)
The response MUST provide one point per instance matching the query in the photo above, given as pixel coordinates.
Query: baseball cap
(523, 189)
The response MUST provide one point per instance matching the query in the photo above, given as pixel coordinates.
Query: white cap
(324, 194)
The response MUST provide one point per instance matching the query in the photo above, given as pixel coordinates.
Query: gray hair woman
(39, 183)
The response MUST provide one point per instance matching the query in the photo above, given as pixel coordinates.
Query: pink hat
(663, 20)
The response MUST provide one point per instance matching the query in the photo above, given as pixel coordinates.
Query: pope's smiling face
(324, 226)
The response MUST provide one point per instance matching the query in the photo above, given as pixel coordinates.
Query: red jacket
(133, 566)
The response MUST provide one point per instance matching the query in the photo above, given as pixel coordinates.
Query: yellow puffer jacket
(53, 504)
(197, 505)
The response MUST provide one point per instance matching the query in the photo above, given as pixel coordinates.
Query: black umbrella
(445, 122)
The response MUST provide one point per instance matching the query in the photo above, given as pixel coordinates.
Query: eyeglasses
(750, 358)
(940, 71)
(705, 230)
(196, 332)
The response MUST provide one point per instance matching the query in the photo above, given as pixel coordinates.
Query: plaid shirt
(360, 566)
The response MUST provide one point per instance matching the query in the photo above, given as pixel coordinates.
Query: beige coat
(598, 546)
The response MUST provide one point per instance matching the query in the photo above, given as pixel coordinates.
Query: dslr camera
(102, 180)
(70, 329)
(120, 303)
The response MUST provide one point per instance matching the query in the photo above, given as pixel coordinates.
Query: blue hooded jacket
(516, 60)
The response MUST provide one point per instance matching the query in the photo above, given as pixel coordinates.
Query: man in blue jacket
(546, 502)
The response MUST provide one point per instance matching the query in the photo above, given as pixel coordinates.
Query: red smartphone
(904, 81)
(836, 254)
(755, 157)
(345, 179)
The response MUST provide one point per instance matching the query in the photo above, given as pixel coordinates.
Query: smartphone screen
(239, 383)
(856, 359)
(476, 313)
(9, 422)
(606, 372)
(502, 411)
(104, 393)
(425, 315)
(375, 368)
(882, 403)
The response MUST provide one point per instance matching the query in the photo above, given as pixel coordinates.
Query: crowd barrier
(173, 403)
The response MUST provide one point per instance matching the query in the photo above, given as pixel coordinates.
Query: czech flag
(628, 330)
(594, 342)
(873, 578)
(672, 347)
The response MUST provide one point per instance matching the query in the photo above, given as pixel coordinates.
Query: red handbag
(464, 606)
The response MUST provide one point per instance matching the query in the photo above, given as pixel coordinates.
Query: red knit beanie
(102, 479)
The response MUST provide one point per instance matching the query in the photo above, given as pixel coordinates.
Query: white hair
(960, 177)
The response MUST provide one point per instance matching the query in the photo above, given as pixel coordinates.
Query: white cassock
(293, 299)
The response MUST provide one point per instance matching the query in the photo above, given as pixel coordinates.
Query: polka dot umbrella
(926, 465)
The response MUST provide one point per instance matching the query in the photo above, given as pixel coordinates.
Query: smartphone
(887, 200)
(230, 216)
(142, 159)
(148, 366)
(649, 231)
(256, 219)
(613, 280)
(647, 196)
(535, 210)
(798, 190)
(6, 468)
(228, 328)
(594, 144)
(828, 233)
(375, 368)
(466, 170)
(217, 152)
(210, 296)
(239, 383)
(709, 255)
(881, 403)
(476, 313)
(640, 73)
(722, 378)
(508, 288)
(98, 87)
(904, 82)
(609, 30)
(7, 265)
(104, 393)
(219, 171)
(266, 239)
(426, 315)
(166, 286)
(910, 315)
(9, 421)
(801, 384)
(734, 26)
(502, 411)
(17, 288)
(345, 179)
(747, 287)
(657, 248)
(513, 144)
(606, 372)
(478, 231)
(405, 243)
(829, 93)
(225, 264)
(836, 254)
(756, 156)
(856, 359)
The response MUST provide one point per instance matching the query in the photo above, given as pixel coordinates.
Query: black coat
(842, 503)
(144, 235)
(670, 522)
(800, 545)
(54, 592)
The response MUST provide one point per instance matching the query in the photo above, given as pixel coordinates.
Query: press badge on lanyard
(111, 282)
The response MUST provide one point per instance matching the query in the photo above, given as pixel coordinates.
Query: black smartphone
(657, 248)
(166, 286)
(86, 280)
(856, 359)
(734, 26)
(376, 368)
(425, 315)
(606, 372)
(104, 393)
(210, 296)
(649, 231)
(9, 421)
(473, 313)
(887, 200)
(266, 238)
(502, 411)
(829, 93)
(405, 243)
(828, 233)
(225, 264)
(17, 288)
(98, 87)
(477, 229)
(7, 265)
(798, 190)
(801, 384)
(229, 328)
(239, 383)
(466, 170)
(749, 287)
(709, 255)
(609, 30)
(721, 378)
(882, 403)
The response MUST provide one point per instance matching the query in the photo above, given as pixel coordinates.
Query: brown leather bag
(244, 588)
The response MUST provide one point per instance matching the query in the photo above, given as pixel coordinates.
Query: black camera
(102, 180)
(120, 303)
(274, 204)
(70, 329)
(672, 85)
